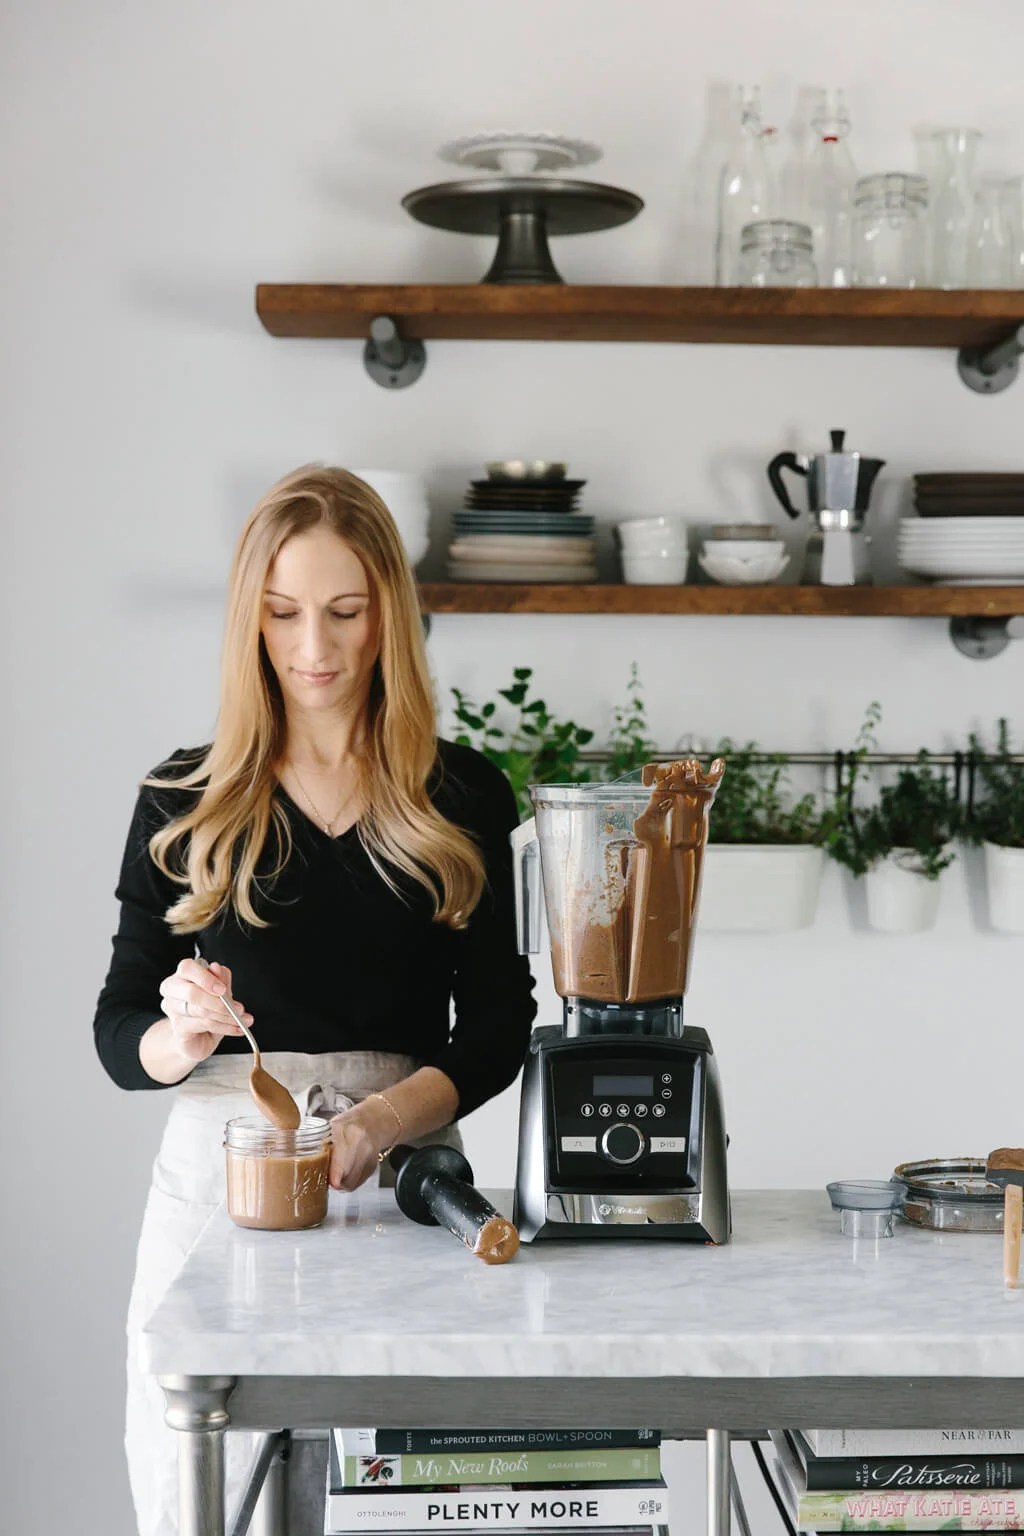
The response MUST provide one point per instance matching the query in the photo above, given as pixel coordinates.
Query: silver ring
(186, 1007)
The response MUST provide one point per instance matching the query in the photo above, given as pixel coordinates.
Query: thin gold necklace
(328, 825)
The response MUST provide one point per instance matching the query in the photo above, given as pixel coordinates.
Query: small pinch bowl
(525, 469)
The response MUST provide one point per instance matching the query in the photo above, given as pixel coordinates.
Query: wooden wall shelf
(859, 317)
(839, 602)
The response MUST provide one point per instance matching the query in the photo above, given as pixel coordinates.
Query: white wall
(158, 160)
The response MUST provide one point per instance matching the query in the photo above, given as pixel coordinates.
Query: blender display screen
(641, 1087)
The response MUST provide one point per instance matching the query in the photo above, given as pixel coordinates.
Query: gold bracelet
(401, 1124)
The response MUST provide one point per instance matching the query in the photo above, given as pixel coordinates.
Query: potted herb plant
(527, 742)
(996, 821)
(763, 866)
(901, 844)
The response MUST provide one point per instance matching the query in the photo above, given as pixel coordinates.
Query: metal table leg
(270, 1516)
(197, 1408)
(719, 1482)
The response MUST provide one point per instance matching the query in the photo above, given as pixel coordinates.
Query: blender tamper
(434, 1186)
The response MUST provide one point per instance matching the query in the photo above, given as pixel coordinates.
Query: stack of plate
(522, 528)
(983, 551)
(969, 495)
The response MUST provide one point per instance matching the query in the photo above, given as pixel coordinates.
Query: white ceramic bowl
(645, 535)
(743, 549)
(734, 573)
(655, 570)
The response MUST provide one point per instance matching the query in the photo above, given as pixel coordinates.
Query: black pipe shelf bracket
(391, 360)
(988, 370)
(981, 638)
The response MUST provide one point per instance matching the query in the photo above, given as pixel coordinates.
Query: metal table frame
(714, 1409)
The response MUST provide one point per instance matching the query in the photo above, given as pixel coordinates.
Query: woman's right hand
(194, 1010)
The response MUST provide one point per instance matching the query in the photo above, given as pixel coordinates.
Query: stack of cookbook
(901, 1480)
(417, 1480)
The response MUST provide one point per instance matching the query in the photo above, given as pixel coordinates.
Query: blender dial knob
(622, 1143)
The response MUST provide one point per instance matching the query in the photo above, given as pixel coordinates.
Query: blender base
(622, 1134)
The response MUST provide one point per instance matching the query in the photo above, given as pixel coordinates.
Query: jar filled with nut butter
(277, 1180)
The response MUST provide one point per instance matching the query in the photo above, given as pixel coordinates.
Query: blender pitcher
(620, 868)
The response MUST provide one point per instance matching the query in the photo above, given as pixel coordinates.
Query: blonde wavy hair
(213, 849)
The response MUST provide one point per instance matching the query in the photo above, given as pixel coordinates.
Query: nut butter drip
(633, 945)
(496, 1242)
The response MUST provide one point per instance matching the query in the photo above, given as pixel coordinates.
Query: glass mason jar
(277, 1180)
(777, 253)
(889, 231)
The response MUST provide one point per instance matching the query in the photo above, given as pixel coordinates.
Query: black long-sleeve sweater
(346, 964)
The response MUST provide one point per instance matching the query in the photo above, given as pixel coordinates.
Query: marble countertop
(370, 1293)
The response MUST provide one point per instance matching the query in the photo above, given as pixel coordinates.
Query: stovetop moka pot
(839, 486)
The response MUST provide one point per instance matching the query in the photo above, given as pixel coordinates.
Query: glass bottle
(889, 231)
(829, 180)
(1013, 213)
(990, 253)
(952, 206)
(777, 253)
(743, 184)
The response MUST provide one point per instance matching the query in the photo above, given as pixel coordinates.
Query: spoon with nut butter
(271, 1098)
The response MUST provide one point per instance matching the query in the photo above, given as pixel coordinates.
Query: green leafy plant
(532, 747)
(919, 814)
(629, 745)
(754, 803)
(997, 815)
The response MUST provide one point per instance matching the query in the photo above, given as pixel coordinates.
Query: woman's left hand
(354, 1152)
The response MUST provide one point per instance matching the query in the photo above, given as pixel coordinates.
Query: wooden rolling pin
(1005, 1166)
(434, 1186)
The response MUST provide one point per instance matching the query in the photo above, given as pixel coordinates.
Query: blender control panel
(623, 1115)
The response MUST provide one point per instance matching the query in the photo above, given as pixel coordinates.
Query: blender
(621, 1126)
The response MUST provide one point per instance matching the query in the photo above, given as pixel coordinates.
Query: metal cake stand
(523, 211)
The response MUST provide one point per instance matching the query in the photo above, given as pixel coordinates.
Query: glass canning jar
(277, 1180)
(890, 239)
(777, 253)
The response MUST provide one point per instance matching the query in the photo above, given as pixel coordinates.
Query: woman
(345, 873)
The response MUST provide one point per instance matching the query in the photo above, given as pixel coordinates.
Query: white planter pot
(899, 899)
(759, 887)
(1004, 877)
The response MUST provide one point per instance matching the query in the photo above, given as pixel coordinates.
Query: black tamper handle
(434, 1186)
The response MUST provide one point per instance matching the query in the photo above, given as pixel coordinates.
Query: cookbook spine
(892, 1511)
(917, 1473)
(495, 1508)
(403, 1442)
(914, 1442)
(382, 1471)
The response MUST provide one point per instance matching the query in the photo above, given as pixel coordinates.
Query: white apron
(187, 1186)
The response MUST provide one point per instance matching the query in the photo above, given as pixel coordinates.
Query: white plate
(496, 570)
(1008, 536)
(514, 556)
(519, 541)
(961, 524)
(962, 571)
(514, 153)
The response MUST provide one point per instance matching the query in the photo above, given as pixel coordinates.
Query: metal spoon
(271, 1098)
